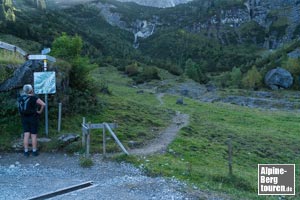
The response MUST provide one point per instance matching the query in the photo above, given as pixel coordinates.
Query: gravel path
(160, 144)
(23, 178)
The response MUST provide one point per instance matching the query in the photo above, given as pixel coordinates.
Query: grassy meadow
(199, 154)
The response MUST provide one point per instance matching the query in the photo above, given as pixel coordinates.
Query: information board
(44, 83)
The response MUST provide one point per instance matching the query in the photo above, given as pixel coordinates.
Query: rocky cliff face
(158, 3)
(268, 23)
(141, 28)
(277, 20)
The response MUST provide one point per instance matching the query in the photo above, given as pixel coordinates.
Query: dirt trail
(159, 144)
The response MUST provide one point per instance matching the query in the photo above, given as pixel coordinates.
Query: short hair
(27, 88)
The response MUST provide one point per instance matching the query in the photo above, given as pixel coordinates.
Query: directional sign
(41, 57)
(44, 83)
(46, 51)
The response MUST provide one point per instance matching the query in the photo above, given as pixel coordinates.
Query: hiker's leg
(26, 139)
(34, 141)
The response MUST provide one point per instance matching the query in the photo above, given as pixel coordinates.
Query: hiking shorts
(30, 123)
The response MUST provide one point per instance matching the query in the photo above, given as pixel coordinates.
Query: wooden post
(83, 132)
(104, 141)
(59, 118)
(88, 140)
(230, 156)
(116, 138)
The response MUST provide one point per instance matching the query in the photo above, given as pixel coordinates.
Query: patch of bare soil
(160, 144)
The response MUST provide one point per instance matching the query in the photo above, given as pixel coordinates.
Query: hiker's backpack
(24, 105)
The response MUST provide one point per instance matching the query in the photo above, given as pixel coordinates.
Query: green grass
(7, 57)
(199, 153)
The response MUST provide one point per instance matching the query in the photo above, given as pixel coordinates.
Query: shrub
(86, 162)
(223, 80)
(194, 71)
(253, 79)
(236, 77)
(67, 47)
(132, 70)
(149, 73)
(293, 66)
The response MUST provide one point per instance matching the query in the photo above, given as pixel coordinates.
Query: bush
(236, 77)
(132, 70)
(86, 162)
(293, 66)
(175, 69)
(223, 80)
(194, 71)
(8, 103)
(84, 102)
(253, 79)
(149, 73)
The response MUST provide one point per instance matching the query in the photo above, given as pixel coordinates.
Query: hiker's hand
(39, 112)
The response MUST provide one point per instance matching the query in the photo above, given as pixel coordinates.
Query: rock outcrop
(139, 28)
(22, 75)
(278, 78)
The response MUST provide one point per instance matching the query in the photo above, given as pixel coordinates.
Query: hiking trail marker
(44, 82)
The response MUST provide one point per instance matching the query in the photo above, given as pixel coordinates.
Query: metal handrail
(116, 138)
(13, 48)
(86, 130)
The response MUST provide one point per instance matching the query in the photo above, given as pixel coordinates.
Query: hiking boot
(26, 154)
(35, 153)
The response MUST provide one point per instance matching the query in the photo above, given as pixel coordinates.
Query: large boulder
(278, 78)
(22, 75)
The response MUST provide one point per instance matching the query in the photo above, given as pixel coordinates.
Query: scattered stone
(133, 144)
(18, 145)
(184, 92)
(37, 164)
(44, 140)
(140, 92)
(68, 138)
(179, 101)
(278, 78)
(12, 166)
(210, 88)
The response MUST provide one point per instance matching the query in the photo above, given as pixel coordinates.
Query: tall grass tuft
(7, 57)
